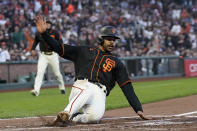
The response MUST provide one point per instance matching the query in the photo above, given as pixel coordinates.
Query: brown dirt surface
(178, 114)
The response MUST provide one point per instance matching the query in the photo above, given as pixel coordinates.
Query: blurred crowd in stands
(146, 27)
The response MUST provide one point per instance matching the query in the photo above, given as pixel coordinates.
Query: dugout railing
(21, 74)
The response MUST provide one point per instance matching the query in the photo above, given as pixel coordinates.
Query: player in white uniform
(47, 56)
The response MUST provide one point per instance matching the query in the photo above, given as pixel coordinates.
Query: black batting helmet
(109, 31)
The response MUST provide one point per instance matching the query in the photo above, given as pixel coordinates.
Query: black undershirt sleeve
(54, 44)
(131, 97)
(65, 51)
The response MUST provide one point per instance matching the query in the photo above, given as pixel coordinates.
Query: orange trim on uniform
(94, 64)
(125, 83)
(100, 66)
(62, 50)
(77, 87)
(76, 97)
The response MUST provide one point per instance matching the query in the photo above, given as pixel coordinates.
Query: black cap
(108, 31)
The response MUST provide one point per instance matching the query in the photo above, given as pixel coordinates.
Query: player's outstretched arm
(133, 100)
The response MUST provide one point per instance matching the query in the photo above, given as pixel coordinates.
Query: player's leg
(74, 94)
(86, 97)
(94, 110)
(54, 62)
(79, 96)
(41, 67)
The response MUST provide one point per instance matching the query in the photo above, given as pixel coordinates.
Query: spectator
(17, 36)
(138, 21)
(4, 54)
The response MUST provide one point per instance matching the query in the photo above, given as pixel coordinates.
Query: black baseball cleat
(63, 92)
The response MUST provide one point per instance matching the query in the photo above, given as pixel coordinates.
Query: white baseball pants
(89, 98)
(43, 61)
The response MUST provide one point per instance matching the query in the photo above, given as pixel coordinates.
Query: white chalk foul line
(185, 114)
(191, 116)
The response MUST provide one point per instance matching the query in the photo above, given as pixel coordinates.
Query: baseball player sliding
(97, 70)
(47, 56)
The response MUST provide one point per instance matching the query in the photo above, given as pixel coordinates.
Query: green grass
(50, 101)
(154, 91)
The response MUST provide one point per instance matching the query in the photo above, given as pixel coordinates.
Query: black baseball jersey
(97, 66)
(44, 47)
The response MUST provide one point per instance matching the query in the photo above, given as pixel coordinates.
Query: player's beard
(108, 48)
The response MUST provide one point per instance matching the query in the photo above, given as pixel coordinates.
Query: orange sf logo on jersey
(109, 64)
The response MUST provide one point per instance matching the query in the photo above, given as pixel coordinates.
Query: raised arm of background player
(38, 38)
(56, 46)
(127, 88)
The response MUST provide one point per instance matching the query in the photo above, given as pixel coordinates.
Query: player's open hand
(41, 24)
(141, 114)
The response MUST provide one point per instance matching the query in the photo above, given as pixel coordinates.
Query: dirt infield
(177, 114)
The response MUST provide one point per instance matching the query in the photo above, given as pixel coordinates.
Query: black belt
(96, 83)
(48, 53)
(99, 85)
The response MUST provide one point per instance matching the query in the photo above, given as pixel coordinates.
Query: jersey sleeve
(131, 97)
(65, 51)
(70, 52)
(122, 77)
(127, 88)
